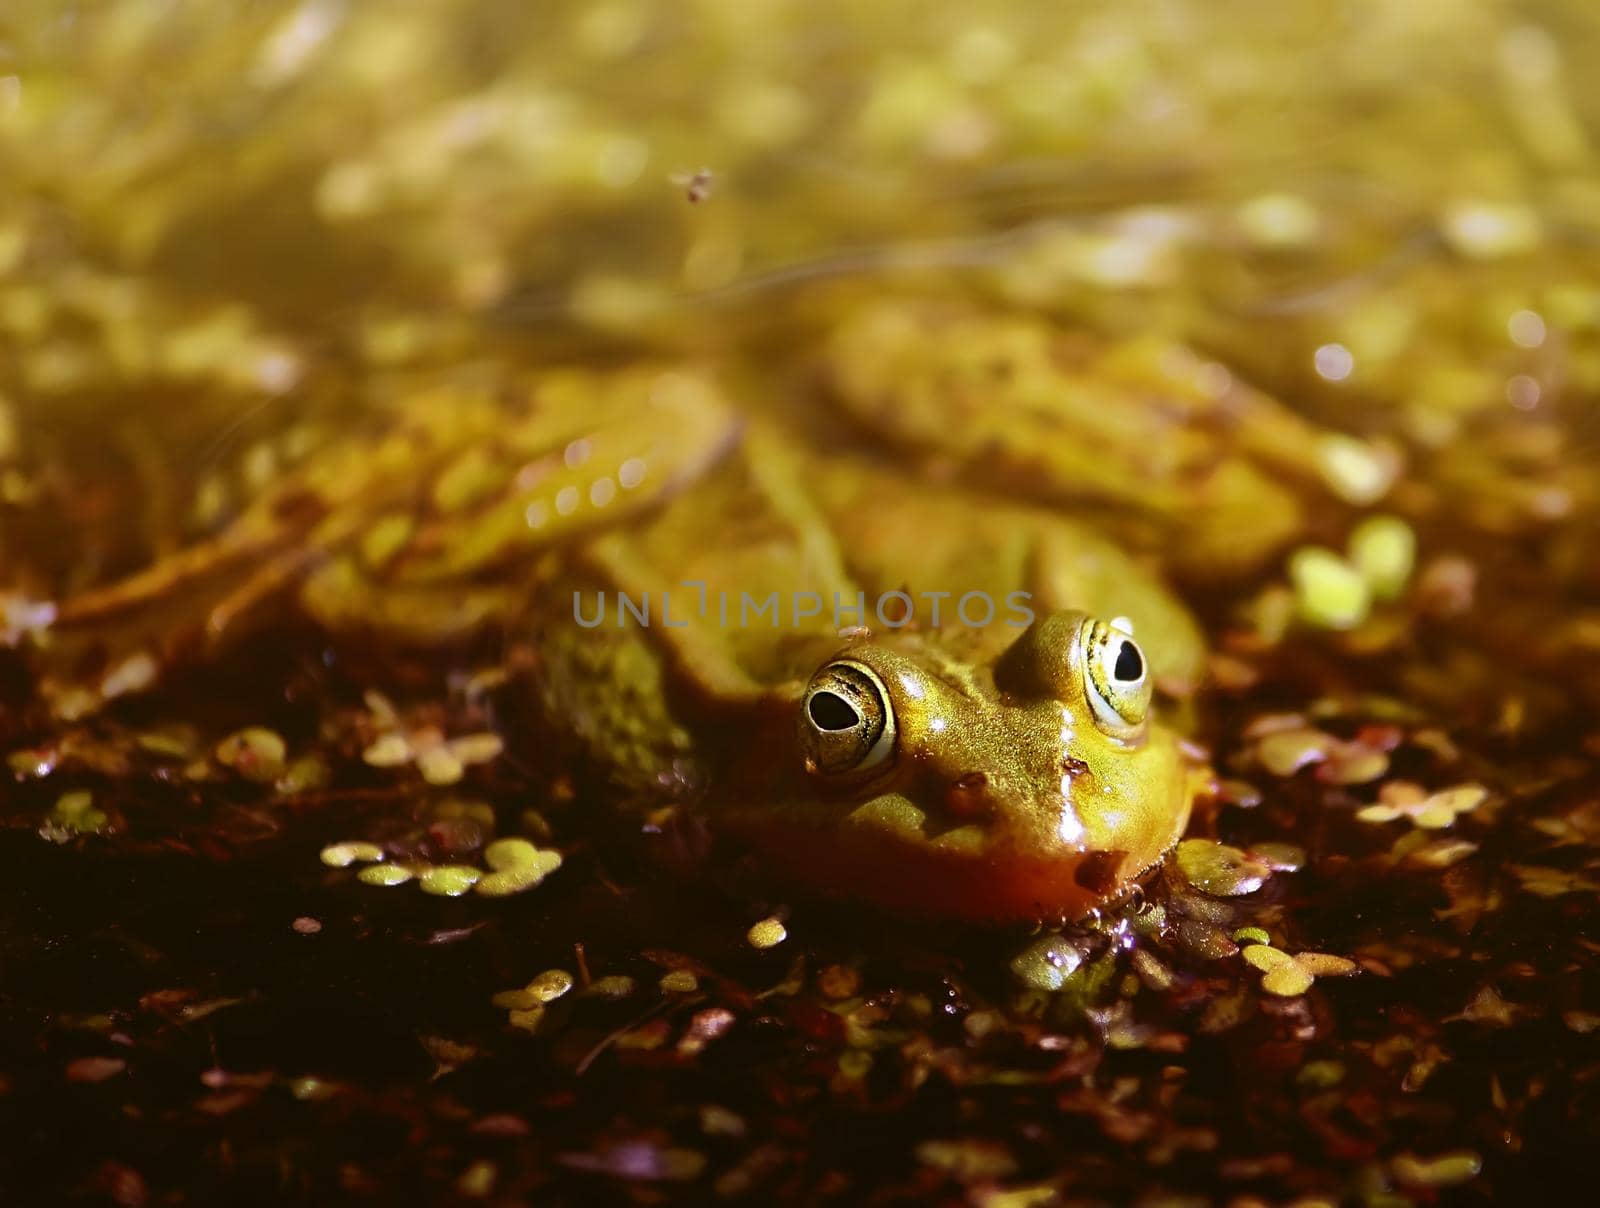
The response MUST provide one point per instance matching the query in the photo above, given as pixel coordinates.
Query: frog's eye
(1116, 678)
(846, 720)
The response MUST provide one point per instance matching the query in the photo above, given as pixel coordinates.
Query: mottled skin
(1156, 444)
(1004, 793)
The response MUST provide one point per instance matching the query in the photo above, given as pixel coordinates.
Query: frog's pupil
(1130, 665)
(830, 711)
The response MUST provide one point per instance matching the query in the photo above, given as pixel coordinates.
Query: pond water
(317, 887)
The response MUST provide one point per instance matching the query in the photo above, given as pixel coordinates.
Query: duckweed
(478, 1179)
(1047, 963)
(1359, 473)
(511, 881)
(1289, 976)
(1433, 812)
(517, 866)
(1287, 751)
(1444, 1170)
(385, 874)
(550, 985)
(616, 985)
(505, 854)
(1220, 870)
(75, 813)
(1384, 550)
(449, 880)
(439, 761)
(342, 855)
(1329, 592)
(388, 751)
(255, 753)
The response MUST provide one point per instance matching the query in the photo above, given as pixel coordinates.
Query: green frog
(919, 678)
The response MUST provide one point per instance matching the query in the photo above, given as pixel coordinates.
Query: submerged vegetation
(321, 328)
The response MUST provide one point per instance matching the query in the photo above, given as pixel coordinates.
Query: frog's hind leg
(607, 688)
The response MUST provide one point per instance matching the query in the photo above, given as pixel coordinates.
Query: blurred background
(240, 238)
(219, 219)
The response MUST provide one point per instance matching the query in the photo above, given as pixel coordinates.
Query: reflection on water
(1302, 306)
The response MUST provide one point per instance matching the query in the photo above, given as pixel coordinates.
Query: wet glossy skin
(996, 791)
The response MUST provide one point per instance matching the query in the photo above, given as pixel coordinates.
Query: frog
(1014, 767)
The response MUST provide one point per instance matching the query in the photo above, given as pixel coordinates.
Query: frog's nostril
(966, 797)
(830, 711)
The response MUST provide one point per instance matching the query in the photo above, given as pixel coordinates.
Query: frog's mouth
(965, 873)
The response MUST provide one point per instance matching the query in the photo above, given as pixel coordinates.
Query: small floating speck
(1526, 328)
(342, 855)
(768, 933)
(1334, 362)
(255, 753)
(577, 452)
(477, 1180)
(95, 1069)
(1046, 964)
(388, 751)
(1279, 220)
(134, 674)
(550, 985)
(618, 985)
(1486, 230)
(1523, 392)
(679, 981)
(1358, 472)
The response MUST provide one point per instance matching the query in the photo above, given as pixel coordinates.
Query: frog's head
(1032, 785)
